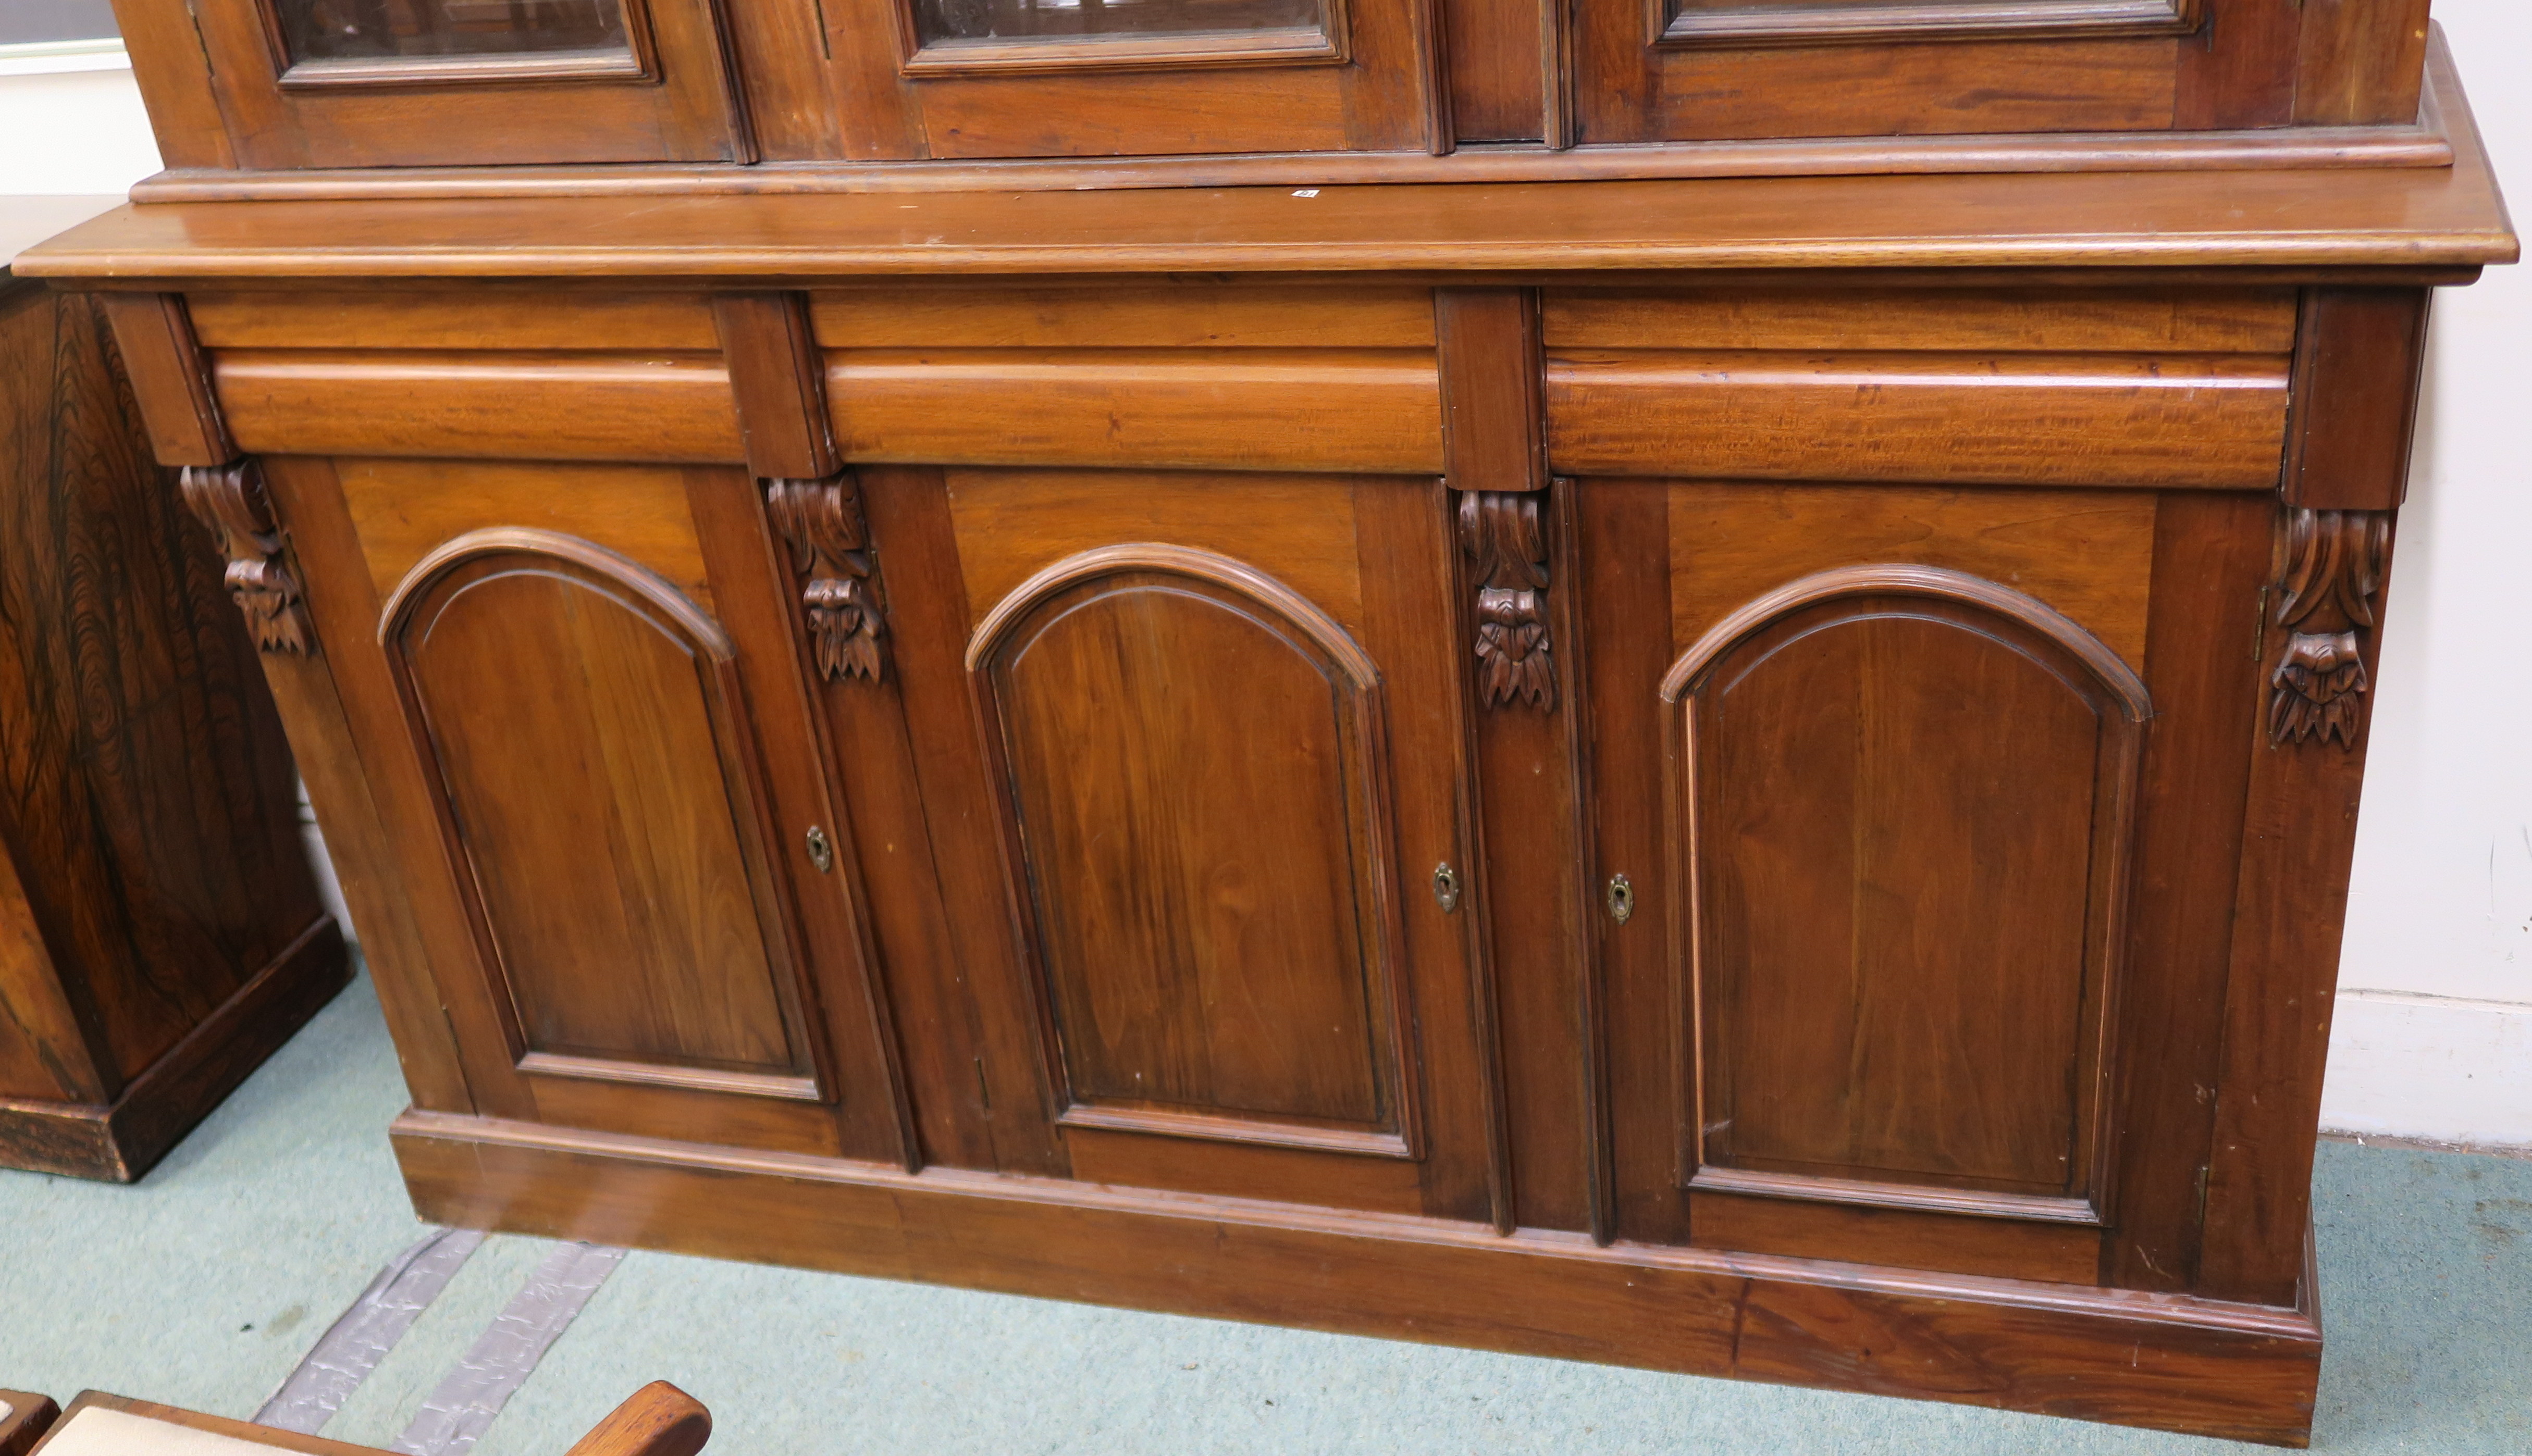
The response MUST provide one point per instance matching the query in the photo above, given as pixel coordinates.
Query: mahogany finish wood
(2173, 1362)
(1672, 683)
(164, 931)
(2357, 370)
(24, 1419)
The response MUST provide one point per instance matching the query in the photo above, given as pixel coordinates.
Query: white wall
(74, 124)
(2434, 1035)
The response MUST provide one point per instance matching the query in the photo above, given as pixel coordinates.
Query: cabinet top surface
(2391, 217)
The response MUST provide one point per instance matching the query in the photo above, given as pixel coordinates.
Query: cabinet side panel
(150, 804)
(2298, 844)
(413, 924)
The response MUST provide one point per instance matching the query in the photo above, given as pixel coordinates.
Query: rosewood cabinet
(1680, 685)
(163, 934)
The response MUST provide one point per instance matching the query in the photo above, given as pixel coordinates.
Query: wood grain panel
(687, 1114)
(175, 77)
(144, 782)
(499, 319)
(2443, 221)
(1334, 410)
(2355, 415)
(1151, 314)
(2090, 556)
(2289, 910)
(1130, 1160)
(406, 509)
(1534, 891)
(2060, 320)
(2058, 1253)
(1909, 804)
(1411, 619)
(388, 838)
(2161, 1361)
(1627, 616)
(659, 407)
(2360, 62)
(775, 378)
(1865, 91)
(584, 726)
(170, 378)
(1295, 108)
(979, 995)
(1497, 69)
(2202, 422)
(689, 112)
(1206, 875)
(2210, 574)
(1492, 413)
(1013, 523)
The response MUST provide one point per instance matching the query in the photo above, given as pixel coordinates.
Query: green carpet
(204, 1285)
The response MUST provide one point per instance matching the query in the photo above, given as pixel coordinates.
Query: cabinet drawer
(2155, 390)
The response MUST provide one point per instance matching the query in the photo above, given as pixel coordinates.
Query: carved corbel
(231, 501)
(820, 521)
(1507, 548)
(2331, 573)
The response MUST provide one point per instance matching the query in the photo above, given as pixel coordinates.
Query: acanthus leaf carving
(230, 499)
(1507, 547)
(822, 523)
(2333, 573)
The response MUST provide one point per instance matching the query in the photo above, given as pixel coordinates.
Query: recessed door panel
(1196, 759)
(583, 721)
(1907, 795)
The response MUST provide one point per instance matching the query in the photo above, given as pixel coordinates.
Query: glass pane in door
(389, 29)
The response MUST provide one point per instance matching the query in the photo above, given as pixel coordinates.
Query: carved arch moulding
(822, 524)
(230, 499)
(2330, 582)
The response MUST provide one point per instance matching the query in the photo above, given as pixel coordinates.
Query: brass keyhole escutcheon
(1446, 888)
(1620, 898)
(822, 850)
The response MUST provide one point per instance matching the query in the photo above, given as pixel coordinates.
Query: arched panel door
(1194, 768)
(1907, 797)
(585, 735)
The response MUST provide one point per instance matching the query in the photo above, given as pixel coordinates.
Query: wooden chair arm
(25, 1420)
(658, 1420)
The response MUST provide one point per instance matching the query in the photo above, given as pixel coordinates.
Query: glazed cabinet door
(616, 821)
(1932, 784)
(457, 82)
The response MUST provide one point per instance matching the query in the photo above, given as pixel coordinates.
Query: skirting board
(2170, 1362)
(121, 1142)
(2430, 1068)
